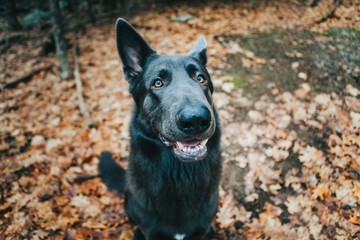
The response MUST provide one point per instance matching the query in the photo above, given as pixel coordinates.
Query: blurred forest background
(287, 87)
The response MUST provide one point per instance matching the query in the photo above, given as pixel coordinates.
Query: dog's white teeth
(180, 145)
(203, 142)
(191, 149)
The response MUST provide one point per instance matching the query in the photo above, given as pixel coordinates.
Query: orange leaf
(321, 191)
(355, 220)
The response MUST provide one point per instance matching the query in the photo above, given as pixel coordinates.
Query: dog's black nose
(194, 120)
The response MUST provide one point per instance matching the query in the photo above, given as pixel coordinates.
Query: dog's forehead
(171, 63)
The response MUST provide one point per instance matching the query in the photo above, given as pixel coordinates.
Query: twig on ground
(25, 78)
(7, 42)
(11, 39)
(314, 3)
(330, 13)
(84, 178)
(79, 88)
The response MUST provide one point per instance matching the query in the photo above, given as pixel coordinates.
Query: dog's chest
(181, 196)
(187, 183)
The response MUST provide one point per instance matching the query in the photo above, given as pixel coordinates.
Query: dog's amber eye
(158, 83)
(200, 78)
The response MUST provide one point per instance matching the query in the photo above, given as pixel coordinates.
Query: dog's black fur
(169, 193)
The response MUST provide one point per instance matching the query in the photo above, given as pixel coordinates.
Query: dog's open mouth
(188, 151)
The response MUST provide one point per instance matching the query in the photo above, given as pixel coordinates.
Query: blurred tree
(60, 40)
(10, 13)
(252, 3)
(111, 5)
(105, 5)
(72, 6)
(90, 12)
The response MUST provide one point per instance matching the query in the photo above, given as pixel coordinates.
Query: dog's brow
(191, 67)
(163, 73)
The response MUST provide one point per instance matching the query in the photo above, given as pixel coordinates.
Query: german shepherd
(171, 184)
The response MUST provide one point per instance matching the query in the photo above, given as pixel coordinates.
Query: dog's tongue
(191, 143)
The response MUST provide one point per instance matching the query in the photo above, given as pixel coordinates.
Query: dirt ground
(287, 91)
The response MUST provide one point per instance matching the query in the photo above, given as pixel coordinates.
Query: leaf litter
(298, 149)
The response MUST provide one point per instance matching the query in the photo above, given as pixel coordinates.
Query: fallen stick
(11, 39)
(24, 79)
(79, 88)
(314, 3)
(330, 12)
(84, 178)
(8, 41)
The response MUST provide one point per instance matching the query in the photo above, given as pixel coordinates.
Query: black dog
(172, 180)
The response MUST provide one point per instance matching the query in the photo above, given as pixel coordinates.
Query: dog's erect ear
(199, 50)
(132, 48)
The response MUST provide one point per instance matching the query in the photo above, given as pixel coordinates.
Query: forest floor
(287, 88)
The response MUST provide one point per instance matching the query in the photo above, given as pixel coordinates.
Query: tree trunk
(10, 13)
(105, 5)
(72, 6)
(60, 40)
(90, 11)
(113, 5)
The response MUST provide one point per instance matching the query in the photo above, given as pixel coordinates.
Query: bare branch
(79, 88)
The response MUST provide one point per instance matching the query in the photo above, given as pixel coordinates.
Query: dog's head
(172, 94)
